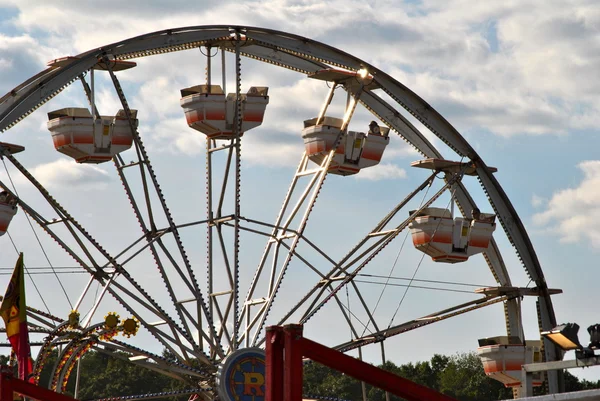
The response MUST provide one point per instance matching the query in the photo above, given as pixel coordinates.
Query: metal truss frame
(199, 312)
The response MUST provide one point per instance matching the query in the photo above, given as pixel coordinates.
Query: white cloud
(505, 67)
(573, 213)
(381, 172)
(272, 154)
(65, 173)
(21, 56)
(160, 97)
(493, 68)
(538, 201)
(171, 135)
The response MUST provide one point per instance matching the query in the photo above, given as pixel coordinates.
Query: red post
(274, 364)
(292, 375)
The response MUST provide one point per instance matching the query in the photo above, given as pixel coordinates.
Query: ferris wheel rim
(457, 142)
(404, 96)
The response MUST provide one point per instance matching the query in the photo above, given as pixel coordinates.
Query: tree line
(460, 376)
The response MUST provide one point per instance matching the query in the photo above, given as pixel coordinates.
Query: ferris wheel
(178, 258)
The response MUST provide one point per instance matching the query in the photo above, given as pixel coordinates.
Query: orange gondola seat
(451, 240)
(209, 111)
(503, 357)
(356, 150)
(77, 134)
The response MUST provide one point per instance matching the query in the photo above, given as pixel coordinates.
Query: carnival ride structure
(212, 331)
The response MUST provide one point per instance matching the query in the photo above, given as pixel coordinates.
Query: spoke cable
(423, 256)
(425, 281)
(397, 257)
(349, 317)
(93, 303)
(40, 244)
(50, 272)
(409, 285)
(44, 268)
(416, 286)
(355, 317)
(29, 274)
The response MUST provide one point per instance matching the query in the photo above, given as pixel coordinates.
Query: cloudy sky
(518, 79)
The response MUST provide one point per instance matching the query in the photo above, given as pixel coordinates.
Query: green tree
(424, 373)
(460, 376)
(377, 394)
(464, 379)
(103, 376)
(47, 369)
(572, 383)
(323, 381)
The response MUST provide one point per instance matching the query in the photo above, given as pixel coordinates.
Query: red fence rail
(10, 385)
(286, 346)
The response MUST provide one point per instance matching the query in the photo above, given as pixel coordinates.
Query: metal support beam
(559, 365)
(527, 370)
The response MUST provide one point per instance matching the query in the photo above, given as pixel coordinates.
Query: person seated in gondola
(482, 217)
(7, 199)
(374, 128)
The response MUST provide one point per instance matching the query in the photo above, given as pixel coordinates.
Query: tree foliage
(103, 376)
(460, 376)
(463, 378)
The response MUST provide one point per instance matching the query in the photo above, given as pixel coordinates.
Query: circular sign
(241, 376)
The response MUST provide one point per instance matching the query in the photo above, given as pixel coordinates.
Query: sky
(518, 79)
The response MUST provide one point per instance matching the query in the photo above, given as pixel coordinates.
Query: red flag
(14, 314)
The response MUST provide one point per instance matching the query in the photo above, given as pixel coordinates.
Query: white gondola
(355, 151)
(440, 235)
(209, 111)
(451, 240)
(8, 209)
(503, 357)
(77, 134)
